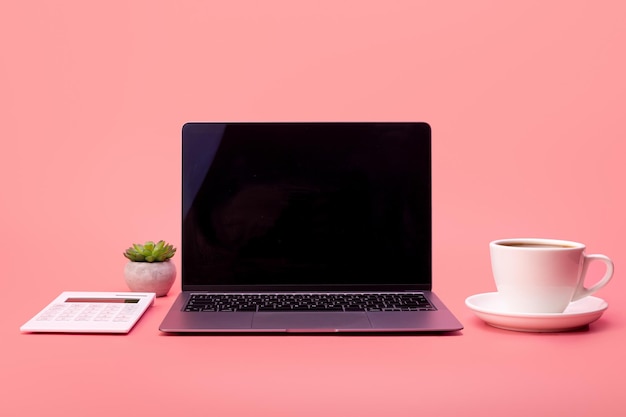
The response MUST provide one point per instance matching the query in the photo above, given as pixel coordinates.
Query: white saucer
(579, 313)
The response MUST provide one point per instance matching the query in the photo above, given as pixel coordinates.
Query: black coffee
(535, 245)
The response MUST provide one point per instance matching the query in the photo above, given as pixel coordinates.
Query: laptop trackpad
(304, 321)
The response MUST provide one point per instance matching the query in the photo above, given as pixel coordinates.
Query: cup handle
(581, 291)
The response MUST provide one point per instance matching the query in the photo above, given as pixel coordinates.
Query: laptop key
(246, 308)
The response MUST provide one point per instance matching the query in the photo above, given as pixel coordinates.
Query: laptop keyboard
(308, 302)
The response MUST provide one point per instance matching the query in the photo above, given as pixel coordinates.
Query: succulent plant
(150, 252)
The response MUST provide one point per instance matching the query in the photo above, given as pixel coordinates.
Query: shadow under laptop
(301, 333)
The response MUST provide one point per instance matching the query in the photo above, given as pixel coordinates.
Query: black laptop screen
(316, 205)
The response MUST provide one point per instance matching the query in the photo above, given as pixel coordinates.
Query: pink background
(526, 101)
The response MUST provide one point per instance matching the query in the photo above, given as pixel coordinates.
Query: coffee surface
(535, 245)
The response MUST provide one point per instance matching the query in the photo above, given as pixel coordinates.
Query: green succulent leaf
(150, 252)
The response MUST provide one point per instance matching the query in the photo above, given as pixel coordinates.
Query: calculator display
(102, 300)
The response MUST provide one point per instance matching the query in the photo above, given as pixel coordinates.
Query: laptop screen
(306, 206)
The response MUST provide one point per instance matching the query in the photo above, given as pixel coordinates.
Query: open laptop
(307, 227)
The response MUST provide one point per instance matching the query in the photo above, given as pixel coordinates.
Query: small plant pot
(156, 277)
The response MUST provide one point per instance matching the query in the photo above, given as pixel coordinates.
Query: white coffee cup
(542, 275)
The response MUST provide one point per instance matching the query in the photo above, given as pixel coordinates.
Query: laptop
(307, 228)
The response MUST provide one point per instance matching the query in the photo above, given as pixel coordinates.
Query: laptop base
(178, 321)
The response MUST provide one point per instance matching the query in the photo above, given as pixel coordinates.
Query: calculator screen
(102, 300)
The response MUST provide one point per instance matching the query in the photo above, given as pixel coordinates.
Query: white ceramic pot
(156, 277)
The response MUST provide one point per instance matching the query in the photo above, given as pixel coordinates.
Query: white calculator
(91, 312)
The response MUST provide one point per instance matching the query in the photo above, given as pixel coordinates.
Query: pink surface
(527, 107)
